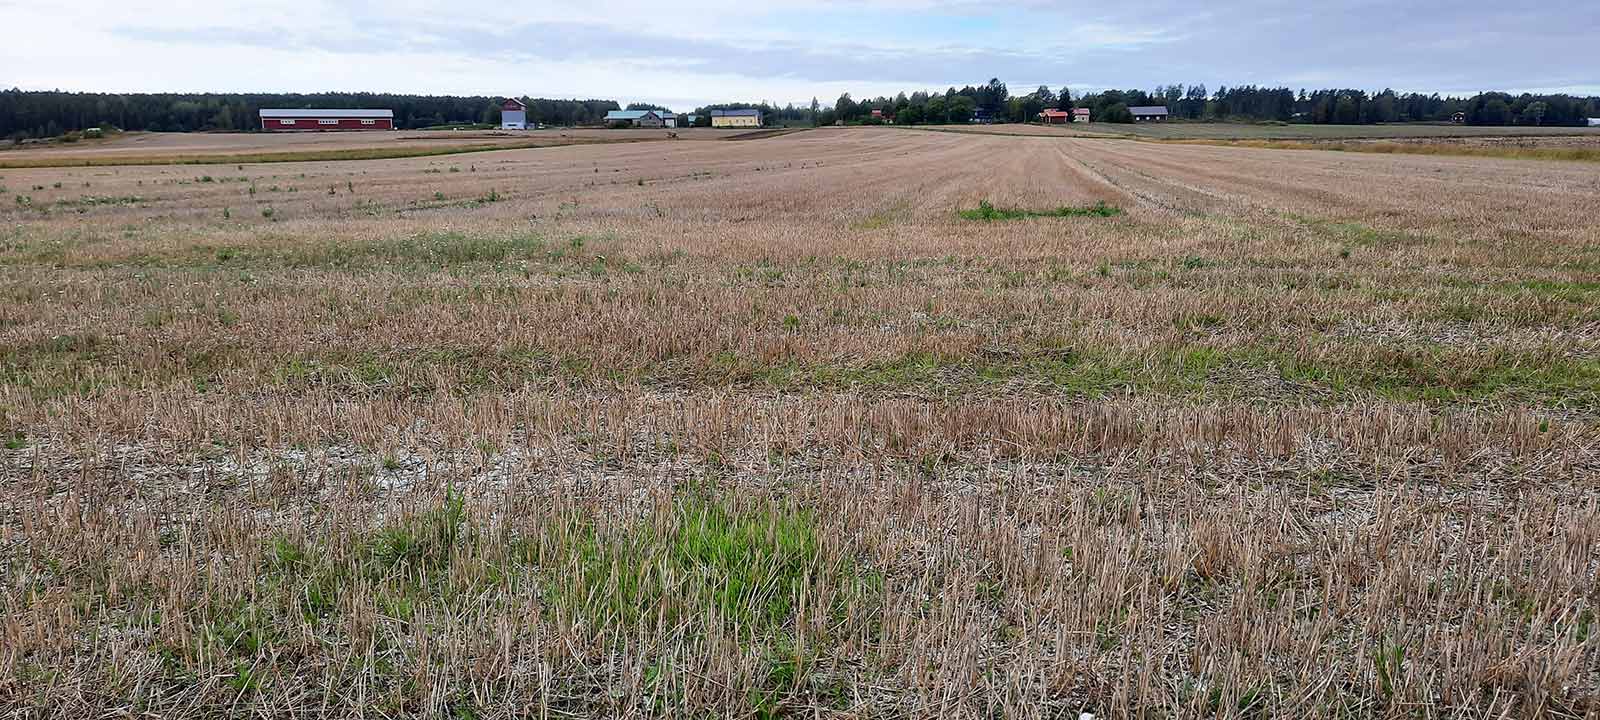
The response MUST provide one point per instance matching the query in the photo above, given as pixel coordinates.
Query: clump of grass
(749, 567)
(987, 212)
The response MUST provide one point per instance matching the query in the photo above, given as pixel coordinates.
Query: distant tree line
(1249, 103)
(47, 114)
(987, 101)
(1355, 107)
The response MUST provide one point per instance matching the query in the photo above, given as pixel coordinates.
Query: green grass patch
(1354, 234)
(432, 250)
(704, 560)
(747, 567)
(700, 564)
(987, 212)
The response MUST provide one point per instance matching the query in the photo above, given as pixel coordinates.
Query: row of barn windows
(328, 122)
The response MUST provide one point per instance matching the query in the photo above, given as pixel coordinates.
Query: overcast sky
(684, 53)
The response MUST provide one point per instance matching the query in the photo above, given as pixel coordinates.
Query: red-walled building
(324, 120)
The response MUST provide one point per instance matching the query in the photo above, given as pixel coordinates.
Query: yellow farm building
(735, 118)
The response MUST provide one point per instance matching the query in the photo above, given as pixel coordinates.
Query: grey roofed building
(1148, 112)
(752, 112)
(643, 118)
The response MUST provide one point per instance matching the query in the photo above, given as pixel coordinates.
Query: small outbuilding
(1054, 116)
(1148, 113)
(1080, 115)
(314, 120)
(513, 115)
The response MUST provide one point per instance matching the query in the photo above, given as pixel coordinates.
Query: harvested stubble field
(147, 148)
(771, 429)
(1518, 143)
(1183, 130)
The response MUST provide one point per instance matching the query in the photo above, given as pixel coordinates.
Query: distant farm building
(981, 117)
(877, 114)
(324, 120)
(1055, 117)
(1594, 122)
(513, 115)
(642, 118)
(690, 120)
(1148, 113)
(735, 118)
(1080, 115)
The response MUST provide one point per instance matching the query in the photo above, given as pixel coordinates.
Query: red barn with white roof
(274, 120)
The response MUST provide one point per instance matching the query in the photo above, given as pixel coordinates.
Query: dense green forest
(47, 114)
(1248, 103)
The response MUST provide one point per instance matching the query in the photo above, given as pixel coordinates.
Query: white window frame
(333, 121)
(369, 122)
(285, 122)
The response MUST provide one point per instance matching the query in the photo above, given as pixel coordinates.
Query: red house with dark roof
(513, 115)
(1055, 117)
